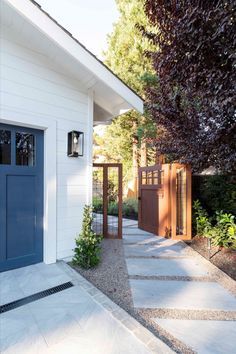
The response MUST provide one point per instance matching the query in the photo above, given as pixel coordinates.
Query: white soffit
(111, 95)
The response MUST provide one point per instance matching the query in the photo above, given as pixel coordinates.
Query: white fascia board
(47, 26)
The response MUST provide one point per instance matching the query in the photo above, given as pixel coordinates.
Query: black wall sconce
(75, 144)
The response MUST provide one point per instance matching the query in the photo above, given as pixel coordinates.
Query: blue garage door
(21, 196)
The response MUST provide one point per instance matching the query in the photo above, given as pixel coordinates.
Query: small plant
(88, 244)
(223, 234)
(221, 229)
(203, 222)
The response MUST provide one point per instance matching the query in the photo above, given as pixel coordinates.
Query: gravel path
(112, 278)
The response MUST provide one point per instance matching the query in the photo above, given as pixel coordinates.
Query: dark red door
(150, 185)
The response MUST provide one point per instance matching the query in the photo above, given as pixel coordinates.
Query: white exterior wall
(33, 90)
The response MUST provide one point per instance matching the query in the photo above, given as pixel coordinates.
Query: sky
(88, 20)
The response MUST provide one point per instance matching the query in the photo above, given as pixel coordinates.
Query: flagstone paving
(166, 267)
(168, 279)
(206, 337)
(77, 320)
(178, 294)
(158, 250)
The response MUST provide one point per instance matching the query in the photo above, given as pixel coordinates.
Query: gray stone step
(157, 250)
(166, 267)
(205, 337)
(191, 295)
(140, 239)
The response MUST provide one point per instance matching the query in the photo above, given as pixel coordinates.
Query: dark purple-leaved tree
(193, 97)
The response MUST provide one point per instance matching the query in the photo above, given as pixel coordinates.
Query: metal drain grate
(26, 300)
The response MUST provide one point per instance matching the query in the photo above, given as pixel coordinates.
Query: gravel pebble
(111, 276)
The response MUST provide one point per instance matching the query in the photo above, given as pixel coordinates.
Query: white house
(50, 85)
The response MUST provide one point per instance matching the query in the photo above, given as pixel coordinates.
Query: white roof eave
(48, 26)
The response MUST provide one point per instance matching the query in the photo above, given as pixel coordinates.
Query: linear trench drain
(26, 300)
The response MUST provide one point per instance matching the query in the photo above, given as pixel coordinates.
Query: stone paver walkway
(78, 320)
(168, 277)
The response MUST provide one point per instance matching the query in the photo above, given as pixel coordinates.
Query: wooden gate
(107, 199)
(165, 206)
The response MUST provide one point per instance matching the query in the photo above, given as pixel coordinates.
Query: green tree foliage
(125, 57)
(196, 70)
(118, 138)
(216, 192)
(125, 54)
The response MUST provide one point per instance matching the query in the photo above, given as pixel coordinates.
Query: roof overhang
(112, 96)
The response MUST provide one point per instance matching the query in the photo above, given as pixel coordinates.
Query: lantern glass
(75, 144)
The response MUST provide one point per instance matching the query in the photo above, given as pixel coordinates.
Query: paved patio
(79, 319)
(167, 277)
(175, 286)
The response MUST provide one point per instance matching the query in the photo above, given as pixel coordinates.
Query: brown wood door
(165, 200)
(150, 188)
(148, 211)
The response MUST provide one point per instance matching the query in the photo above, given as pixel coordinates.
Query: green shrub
(202, 221)
(223, 234)
(132, 205)
(216, 192)
(88, 244)
(97, 204)
(113, 208)
(221, 229)
(129, 208)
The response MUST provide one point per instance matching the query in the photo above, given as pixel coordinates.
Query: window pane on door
(25, 149)
(5, 147)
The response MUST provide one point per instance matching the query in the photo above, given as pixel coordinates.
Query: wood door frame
(173, 173)
(167, 188)
(105, 167)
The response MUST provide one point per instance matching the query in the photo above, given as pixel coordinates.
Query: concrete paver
(204, 337)
(158, 250)
(139, 239)
(149, 257)
(174, 294)
(166, 267)
(76, 320)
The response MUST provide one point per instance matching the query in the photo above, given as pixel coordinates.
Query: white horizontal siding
(32, 85)
(42, 96)
(73, 212)
(35, 81)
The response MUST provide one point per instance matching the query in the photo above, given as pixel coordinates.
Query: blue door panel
(21, 223)
(21, 201)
